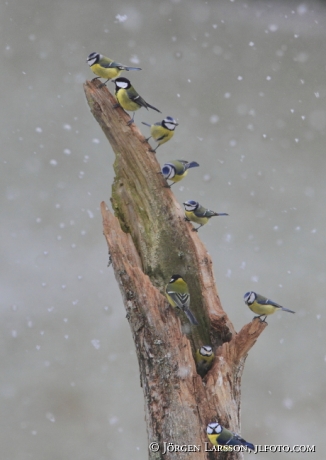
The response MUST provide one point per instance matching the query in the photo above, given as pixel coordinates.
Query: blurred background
(247, 83)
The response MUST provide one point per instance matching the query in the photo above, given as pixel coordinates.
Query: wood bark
(148, 241)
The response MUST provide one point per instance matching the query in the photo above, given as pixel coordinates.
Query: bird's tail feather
(250, 446)
(152, 107)
(286, 309)
(132, 68)
(190, 316)
(147, 124)
(192, 164)
(221, 214)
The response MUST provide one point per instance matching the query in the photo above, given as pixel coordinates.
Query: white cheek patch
(170, 126)
(169, 172)
(91, 62)
(188, 207)
(122, 84)
(214, 427)
(252, 298)
(206, 351)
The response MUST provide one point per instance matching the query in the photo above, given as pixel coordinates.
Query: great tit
(162, 131)
(104, 67)
(204, 359)
(178, 296)
(176, 170)
(261, 305)
(220, 436)
(196, 213)
(128, 98)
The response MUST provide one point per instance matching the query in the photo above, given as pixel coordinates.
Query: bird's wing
(108, 63)
(135, 97)
(181, 300)
(179, 166)
(267, 302)
(202, 212)
(225, 437)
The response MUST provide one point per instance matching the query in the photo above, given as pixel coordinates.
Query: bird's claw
(261, 320)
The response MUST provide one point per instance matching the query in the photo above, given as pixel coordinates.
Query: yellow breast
(158, 132)
(199, 220)
(125, 102)
(262, 309)
(171, 302)
(104, 72)
(213, 439)
(177, 178)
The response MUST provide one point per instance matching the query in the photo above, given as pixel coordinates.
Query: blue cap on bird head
(191, 205)
(170, 123)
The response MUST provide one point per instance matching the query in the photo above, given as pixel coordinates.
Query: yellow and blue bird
(106, 68)
(128, 98)
(162, 131)
(178, 296)
(204, 358)
(195, 212)
(176, 170)
(262, 305)
(220, 436)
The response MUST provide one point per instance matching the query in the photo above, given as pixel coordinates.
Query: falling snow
(121, 17)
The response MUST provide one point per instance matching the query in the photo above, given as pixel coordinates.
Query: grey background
(246, 81)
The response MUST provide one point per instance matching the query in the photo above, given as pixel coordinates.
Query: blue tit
(204, 359)
(128, 98)
(194, 212)
(178, 296)
(176, 170)
(104, 67)
(162, 131)
(261, 305)
(220, 436)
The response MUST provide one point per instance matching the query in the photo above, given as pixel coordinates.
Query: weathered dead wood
(148, 241)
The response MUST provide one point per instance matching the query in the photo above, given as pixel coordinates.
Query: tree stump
(148, 241)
